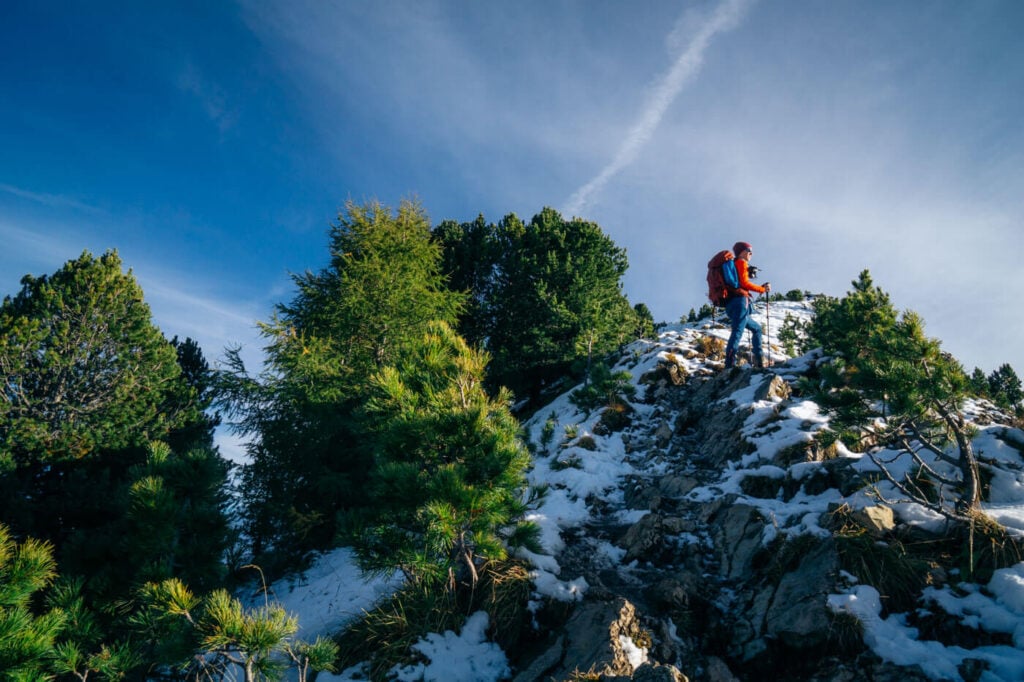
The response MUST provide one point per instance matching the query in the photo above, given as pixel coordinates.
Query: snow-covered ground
(333, 593)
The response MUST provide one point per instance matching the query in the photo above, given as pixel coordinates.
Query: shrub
(711, 346)
(603, 388)
(794, 295)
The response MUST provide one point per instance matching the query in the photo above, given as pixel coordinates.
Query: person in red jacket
(739, 308)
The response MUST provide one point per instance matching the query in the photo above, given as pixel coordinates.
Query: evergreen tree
(175, 522)
(198, 429)
(644, 322)
(214, 636)
(309, 462)
(449, 469)
(90, 382)
(81, 650)
(545, 297)
(64, 639)
(26, 639)
(1005, 387)
(979, 383)
(469, 260)
(83, 367)
(888, 385)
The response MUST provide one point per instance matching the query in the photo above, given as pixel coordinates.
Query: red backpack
(718, 291)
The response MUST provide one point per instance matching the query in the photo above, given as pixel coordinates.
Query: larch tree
(310, 462)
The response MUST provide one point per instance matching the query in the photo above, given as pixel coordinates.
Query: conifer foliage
(83, 368)
(310, 463)
(545, 296)
(889, 385)
(214, 637)
(26, 639)
(88, 384)
(449, 469)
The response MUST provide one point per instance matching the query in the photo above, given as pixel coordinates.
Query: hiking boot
(730, 359)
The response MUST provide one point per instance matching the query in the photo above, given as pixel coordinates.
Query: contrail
(725, 17)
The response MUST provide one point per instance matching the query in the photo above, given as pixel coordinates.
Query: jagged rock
(666, 373)
(867, 666)
(663, 434)
(637, 494)
(776, 389)
(672, 593)
(717, 671)
(877, 519)
(677, 374)
(642, 538)
(592, 639)
(677, 486)
(551, 657)
(798, 616)
(674, 525)
(655, 672)
(713, 429)
(739, 529)
(971, 669)
(707, 583)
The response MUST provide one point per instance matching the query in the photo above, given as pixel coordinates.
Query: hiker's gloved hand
(767, 287)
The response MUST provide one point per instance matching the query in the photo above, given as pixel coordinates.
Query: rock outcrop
(714, 591)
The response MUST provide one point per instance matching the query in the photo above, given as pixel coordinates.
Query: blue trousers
(739, 310)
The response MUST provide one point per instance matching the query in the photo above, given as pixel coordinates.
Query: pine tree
(889, 385)
(309, 461)
(197, 430)
(90, 383)
(83, 367)
(81, 650)
(1005, 386)
(175, 522)
(469, 260)
(979, 383)
(449, 469)
(545, 296)
(215, 635)
(26, 639)
(644, 322)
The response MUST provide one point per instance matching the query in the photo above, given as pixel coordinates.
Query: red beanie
(740, 247)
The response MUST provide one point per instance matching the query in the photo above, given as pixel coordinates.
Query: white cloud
(182, 304)
(51, 200)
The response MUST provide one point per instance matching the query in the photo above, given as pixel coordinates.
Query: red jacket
(745, 283)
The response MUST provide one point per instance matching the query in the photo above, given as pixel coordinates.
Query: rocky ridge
(713, 554)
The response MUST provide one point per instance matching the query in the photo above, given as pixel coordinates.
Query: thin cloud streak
(51, 200)
(725, 17)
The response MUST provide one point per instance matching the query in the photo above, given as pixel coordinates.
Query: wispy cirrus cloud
(50, 200)
(688, 64)
(211, 97)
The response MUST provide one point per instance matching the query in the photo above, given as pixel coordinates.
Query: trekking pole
(767, 330)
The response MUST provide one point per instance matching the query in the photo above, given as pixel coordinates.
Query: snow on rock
(466, 657)
(586, 472)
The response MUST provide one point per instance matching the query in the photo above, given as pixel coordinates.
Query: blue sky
(212, 143)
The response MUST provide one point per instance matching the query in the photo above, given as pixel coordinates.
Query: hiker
(739, 307)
